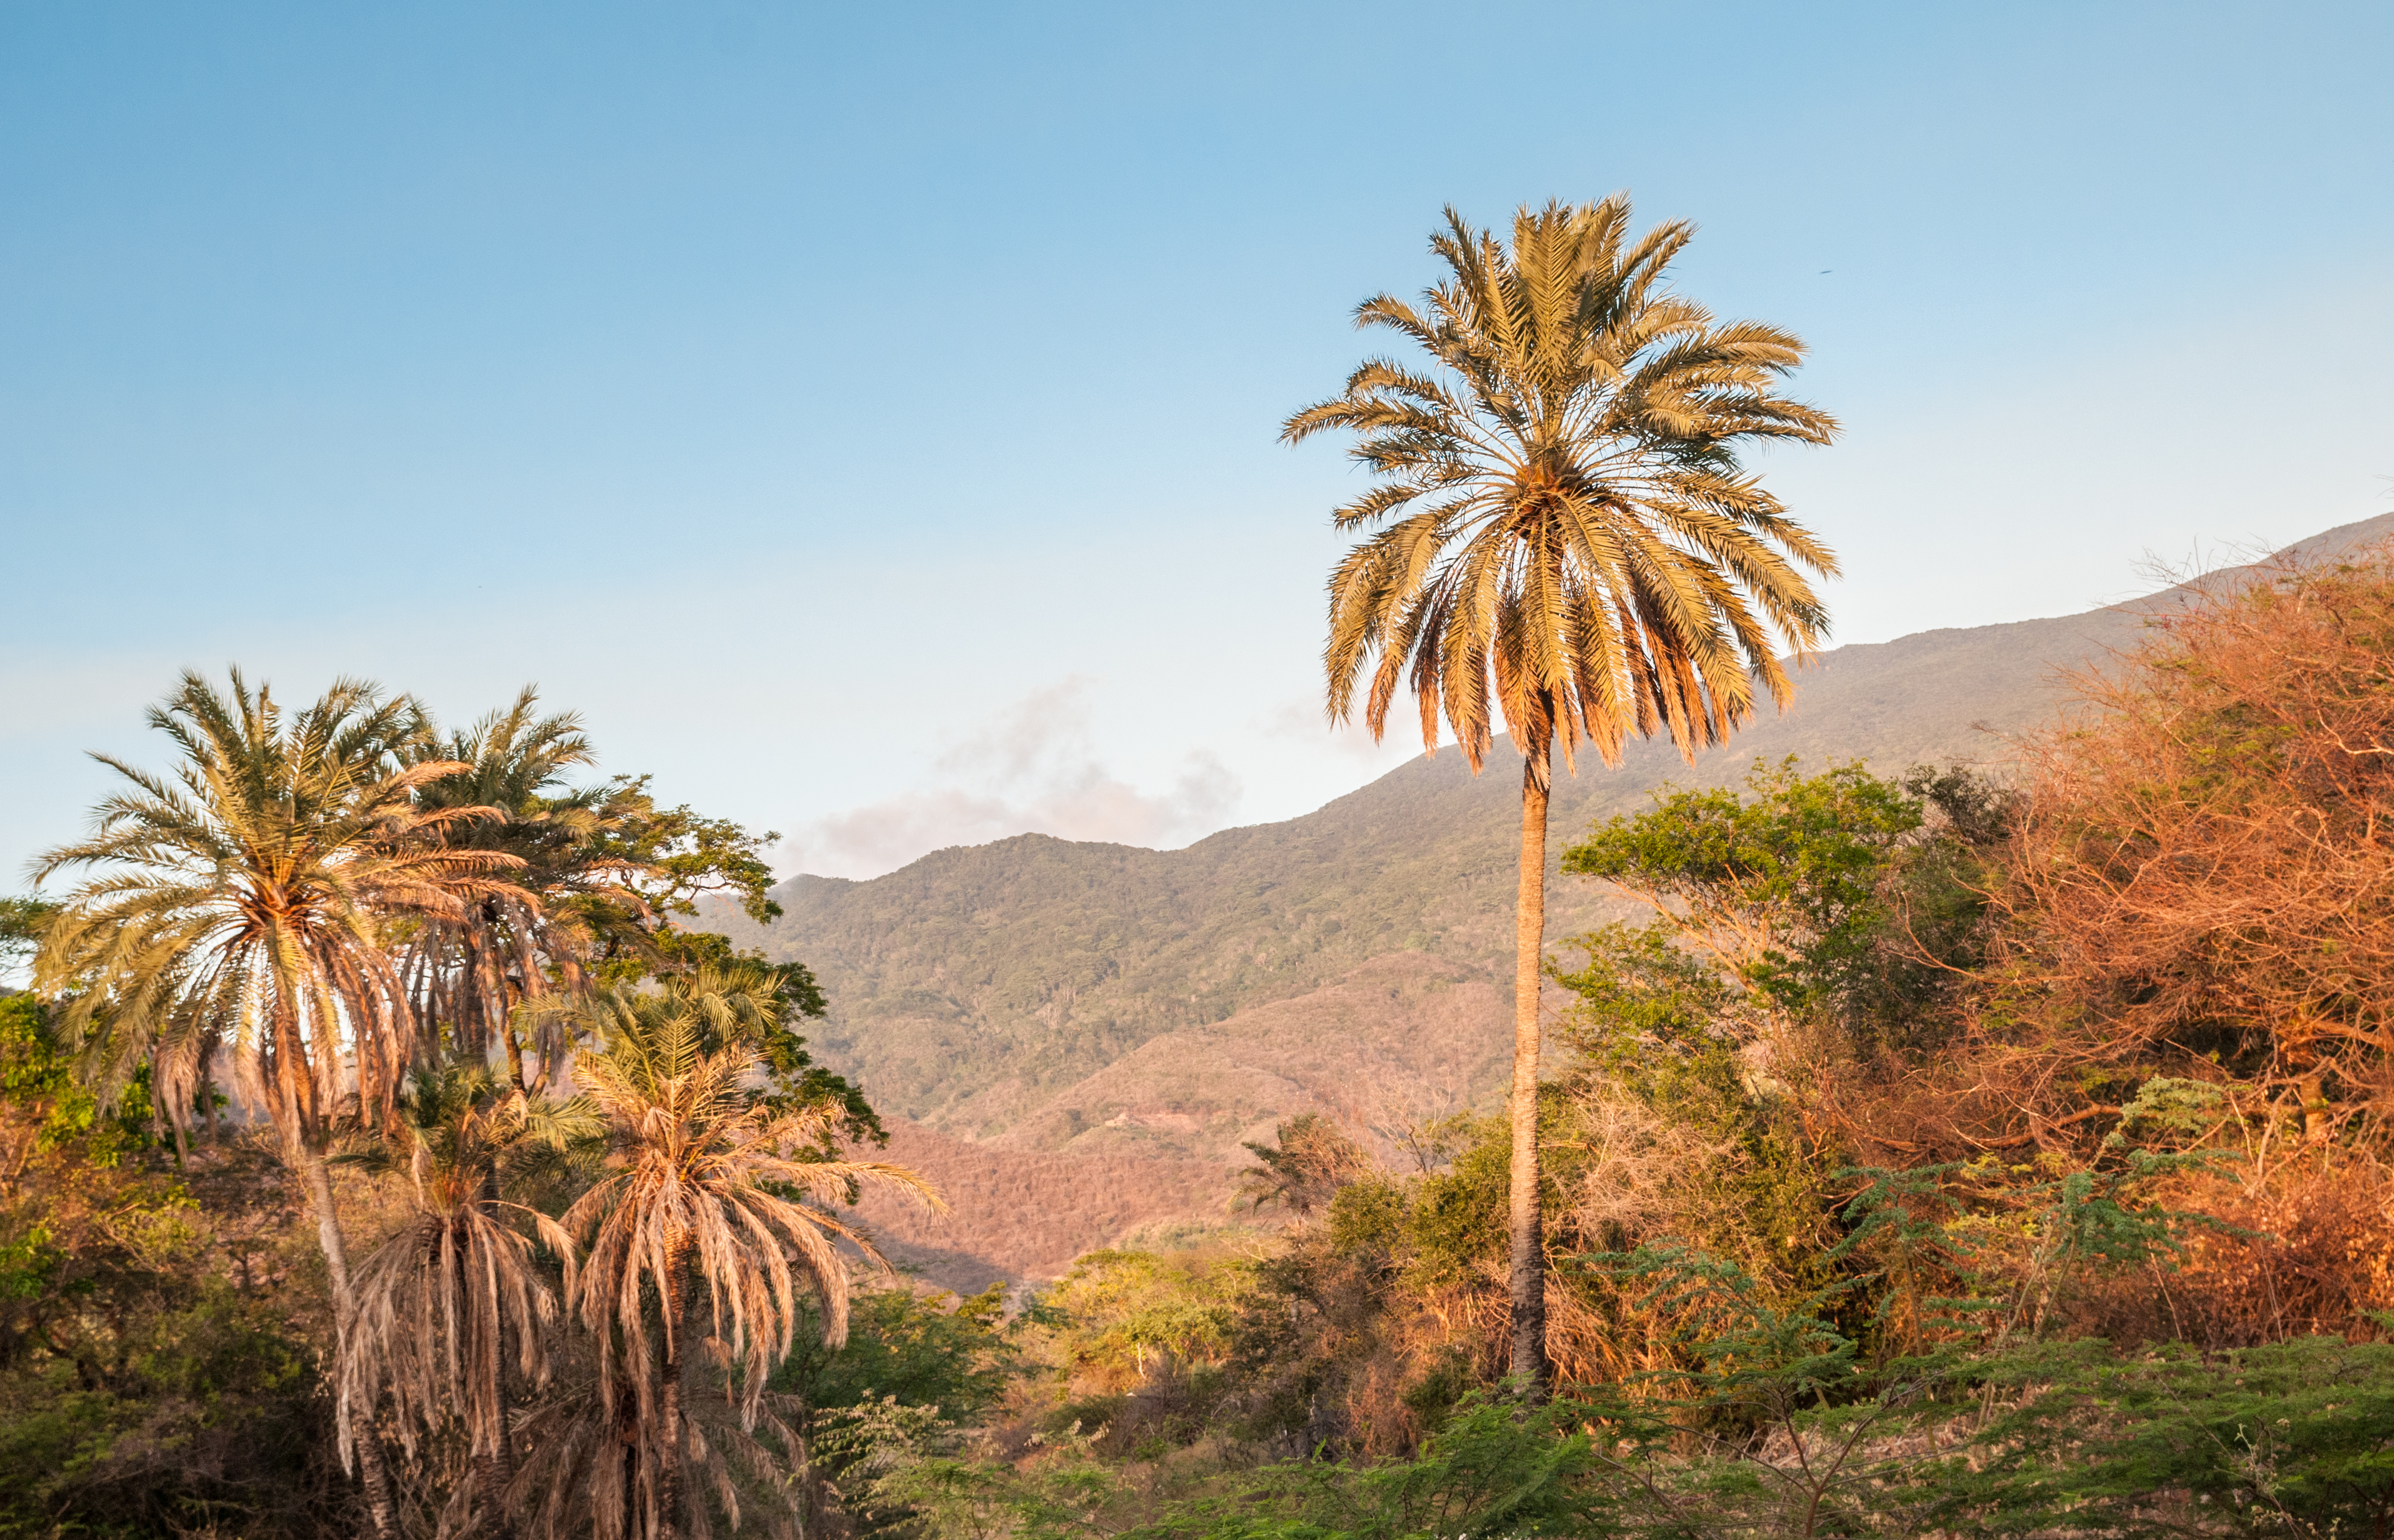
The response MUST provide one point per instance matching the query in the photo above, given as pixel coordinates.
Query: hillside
(1036, 996)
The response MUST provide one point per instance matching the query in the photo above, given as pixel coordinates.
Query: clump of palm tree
(707, 1240)
(1566, 535)
(244, 900)
(600, 869)
(458, 1291)
(471, 970)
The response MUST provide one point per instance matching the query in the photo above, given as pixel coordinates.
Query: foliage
(1313, 1159)
(956, 1356)
(243, 900)
(1132, 1311)
(138, 1390)
(350, 913)
(1842, 892)
(685, 856)
(599, 870)
(1560, 501)
(157, 1352)
(702, 1213)
(889, 1399)
(2292, 1438)
(1492, 1470)
(20, 928)
(2204, 862)
(52, 1105)
(457, 1291)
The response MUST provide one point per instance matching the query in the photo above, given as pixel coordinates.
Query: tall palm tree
(1562, 520)
(472, 971)
(441, 1300)
(242, 899)
(702, 1217)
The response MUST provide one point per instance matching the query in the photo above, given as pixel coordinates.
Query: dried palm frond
(439, 1304)
(709, 1197)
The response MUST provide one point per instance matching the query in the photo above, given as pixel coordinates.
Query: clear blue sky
(866, 415)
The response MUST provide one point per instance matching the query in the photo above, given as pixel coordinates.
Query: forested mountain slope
(973, 985)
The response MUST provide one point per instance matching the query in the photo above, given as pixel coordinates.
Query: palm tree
(1562, 518)
(440, 1300)
(601, 867)
(705, 1199)
(471, 972)
(242, 901)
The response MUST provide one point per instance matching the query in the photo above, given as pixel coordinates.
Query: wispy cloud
(1030, 767)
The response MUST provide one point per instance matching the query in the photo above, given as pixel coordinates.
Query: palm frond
(1597, 562)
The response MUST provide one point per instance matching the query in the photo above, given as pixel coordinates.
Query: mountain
(1014, 1004)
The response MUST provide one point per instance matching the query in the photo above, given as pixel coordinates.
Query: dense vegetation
(1920, 1165)
(332, 979)
(1951, 1153)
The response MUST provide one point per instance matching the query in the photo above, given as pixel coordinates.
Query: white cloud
(1030, 767)
(1303, 722)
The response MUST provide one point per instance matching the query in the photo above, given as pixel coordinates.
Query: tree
(2203, 866)
(470, 971)
(706, 1196)
(1313, 1160)
(243, 902)
(441, 1300)
(602, 870)
(1562, 514)
(20, 928)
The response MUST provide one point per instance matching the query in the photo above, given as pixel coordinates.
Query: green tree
(604, 870)
(1844, 890)
(20, 928)
(1563, 521)
(244, 900)
(54, 1106)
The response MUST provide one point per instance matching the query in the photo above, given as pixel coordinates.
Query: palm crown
(439, 1302)
(705, 1196)
(1563, 505)
(246, 896)
(470, 969)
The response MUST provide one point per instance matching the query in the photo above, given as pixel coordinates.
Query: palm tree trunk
(669, 1403)
(1529, 1277)
(495, 1472)
(372, 1473)
(515, 1053)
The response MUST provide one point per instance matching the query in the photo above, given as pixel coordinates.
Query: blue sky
(867, 415)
